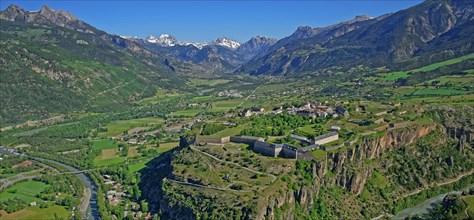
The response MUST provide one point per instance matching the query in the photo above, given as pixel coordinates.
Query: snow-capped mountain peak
(199, 45)
(165, 40)
(226, 42)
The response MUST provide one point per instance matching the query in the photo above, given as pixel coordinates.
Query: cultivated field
(118, 127)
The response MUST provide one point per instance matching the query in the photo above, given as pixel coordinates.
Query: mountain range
(428, 32)
(220, 55)
(61, 63)
(52, 62)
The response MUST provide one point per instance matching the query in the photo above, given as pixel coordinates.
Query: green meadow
(25, 191)
(104, 144)
(118, 127)
(207, 82)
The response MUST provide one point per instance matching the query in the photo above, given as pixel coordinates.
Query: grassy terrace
(444, 92)
(229, 131)
(444, 63)
(207, 82)
(25, 191)
(225, 105)
(160, 96)
(395, 75)
(104, 144)
(456, 100)
(187, 113)
(35, 213)
(405, 74)
(118, 127)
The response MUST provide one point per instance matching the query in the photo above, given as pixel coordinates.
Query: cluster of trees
(212, 128)
(26, 91)
(275, 125)
(413, 200)
(443, 162)
(123, 150)
(62, 183)
(422, 77)
(453, 207)
(6, 166)
(148, 153)
(57, 183)
(12, 205)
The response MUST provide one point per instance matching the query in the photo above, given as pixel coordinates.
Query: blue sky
(207, 20)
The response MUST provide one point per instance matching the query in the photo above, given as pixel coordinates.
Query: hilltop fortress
(259, 145)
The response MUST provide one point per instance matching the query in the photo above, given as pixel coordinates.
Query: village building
(335, 128)
(132, 141)
(323, 108)
(342, 111)
(322, 114)
(326, 138)
(257, 109)
(246, 113)
(306, 105)
(306, 112)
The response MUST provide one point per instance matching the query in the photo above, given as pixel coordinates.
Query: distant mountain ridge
(222, 54)
(428, 32)
(46, 15)
(431, 31)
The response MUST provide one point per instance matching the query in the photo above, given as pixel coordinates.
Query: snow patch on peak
(226, 42)
(129, 37)
(199, 45)
(165, 40)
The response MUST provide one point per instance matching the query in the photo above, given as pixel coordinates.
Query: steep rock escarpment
(349, 170)
(457, 123)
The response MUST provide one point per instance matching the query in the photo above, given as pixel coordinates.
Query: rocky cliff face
(430, 30)
(457, 123)
(349, 169)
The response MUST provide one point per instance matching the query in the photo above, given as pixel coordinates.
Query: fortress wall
(287, 152)
(266, 149)
(246, 140)
(203, 139)
(305, 156)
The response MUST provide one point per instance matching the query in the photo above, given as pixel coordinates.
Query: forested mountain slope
(48, 67)
(432, 31)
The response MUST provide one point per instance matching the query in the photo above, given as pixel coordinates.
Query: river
(92, 211)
